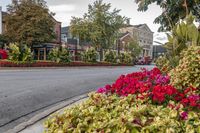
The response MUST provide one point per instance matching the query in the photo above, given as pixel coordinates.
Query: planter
(6, 63)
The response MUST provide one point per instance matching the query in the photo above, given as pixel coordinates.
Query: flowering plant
(154, 86)
(122, 115)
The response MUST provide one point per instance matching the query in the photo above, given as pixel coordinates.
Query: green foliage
(60, 55)
(90, 55)
(125, 58)
(187, 73)
(165, 64)
(3, 40)
(184, 34)
(29, 22)
(99, 25)
(134, 48)
(26, 54)
(113, 114)
(173, 11)
(14, 52)
(110, 56)
(19, 53)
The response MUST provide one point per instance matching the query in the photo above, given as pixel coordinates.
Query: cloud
(62, 8)
(160, 37)
(60, 2)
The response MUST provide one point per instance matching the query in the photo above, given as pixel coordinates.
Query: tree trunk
(118, 47)
(101, 54)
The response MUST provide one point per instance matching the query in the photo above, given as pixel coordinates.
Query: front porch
(41, 51)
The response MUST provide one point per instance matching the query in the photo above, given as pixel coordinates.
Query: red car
(3, 54)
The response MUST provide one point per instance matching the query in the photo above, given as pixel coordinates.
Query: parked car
(143, 61)
(3, 54)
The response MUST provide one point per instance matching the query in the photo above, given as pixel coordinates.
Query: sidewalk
(36, 124)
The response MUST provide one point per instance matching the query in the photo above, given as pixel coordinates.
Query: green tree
(173, 11)
(3, 40)
(134, 48)
(29, 22)
(183, 35)
(99, 25)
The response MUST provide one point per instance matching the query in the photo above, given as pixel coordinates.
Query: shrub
(60, 55)
(22, 54)
(90, 55)
(14, 52)
(54, 55)
(112, 114)
(26, 54)
(166, 64)
(125, 58)
(187, 73)
(111, 56)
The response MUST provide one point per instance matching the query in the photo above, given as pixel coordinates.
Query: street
(24, 93)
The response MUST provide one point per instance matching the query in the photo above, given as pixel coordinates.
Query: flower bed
(138, 102)
(3, 54)
(6, 63)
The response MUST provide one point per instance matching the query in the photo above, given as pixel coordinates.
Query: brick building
(41, 51)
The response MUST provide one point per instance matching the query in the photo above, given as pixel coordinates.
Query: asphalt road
(24, 93)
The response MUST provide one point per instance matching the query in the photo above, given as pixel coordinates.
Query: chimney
(1, 23)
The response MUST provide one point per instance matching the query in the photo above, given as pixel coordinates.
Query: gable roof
(143, 26)
(123, 35)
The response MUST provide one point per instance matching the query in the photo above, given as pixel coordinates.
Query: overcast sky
(64, 9)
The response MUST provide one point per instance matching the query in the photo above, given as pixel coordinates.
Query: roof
(139, 26)
(123, 35)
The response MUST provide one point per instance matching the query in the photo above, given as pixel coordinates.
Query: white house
(144, 36)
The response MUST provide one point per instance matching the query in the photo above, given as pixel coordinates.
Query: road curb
(46, 113)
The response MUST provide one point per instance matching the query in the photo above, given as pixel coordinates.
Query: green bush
(60, 55)
(112, 114)
(166, 64)
(187, 73)
(90, 55)
(19, 53)
(26, 54)
(125, 58)
(111, 56)
(14, 52)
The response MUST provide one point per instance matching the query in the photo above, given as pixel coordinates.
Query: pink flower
(184, 116)
(101, 90)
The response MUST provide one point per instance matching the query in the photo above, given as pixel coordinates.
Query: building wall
(57, 29)
(1, 21)
(144, 37)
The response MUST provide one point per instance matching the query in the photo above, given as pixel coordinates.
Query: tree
(99, 25)
(29, 22)
(3, 40)
(183, 35)
(134, 48)
(173, 11)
